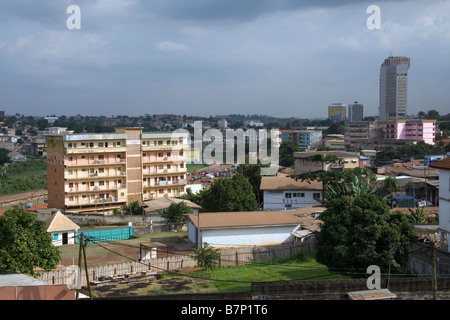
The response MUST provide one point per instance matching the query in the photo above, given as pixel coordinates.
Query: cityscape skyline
(282, 59)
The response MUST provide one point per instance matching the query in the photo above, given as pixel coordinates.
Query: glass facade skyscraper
(393, 88)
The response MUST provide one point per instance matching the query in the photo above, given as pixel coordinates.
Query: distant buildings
(413, 130)
(337, 111)
(305, 139)
(393, 88)
(355, 112)
(104, 171)
(360, 130)
(318, 160)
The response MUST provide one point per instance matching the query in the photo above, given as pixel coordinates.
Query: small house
(62, 229)
(249, 228)
(283, 193)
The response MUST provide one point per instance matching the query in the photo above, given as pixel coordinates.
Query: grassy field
(239, 278)
(222, 279)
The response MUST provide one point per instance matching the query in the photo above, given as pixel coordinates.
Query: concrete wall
(275, 200)
(233, 237)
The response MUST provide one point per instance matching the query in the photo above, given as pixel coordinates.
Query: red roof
(441, 164)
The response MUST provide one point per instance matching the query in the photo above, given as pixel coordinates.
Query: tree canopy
(176, 213)
(359, 231)
(25, 244)
(229, 194)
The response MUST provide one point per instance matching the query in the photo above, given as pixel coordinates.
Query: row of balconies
(89, 162)
(85, 188)
(180, 182)
(79, 201)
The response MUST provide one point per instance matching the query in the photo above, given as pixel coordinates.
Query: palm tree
(357, 185)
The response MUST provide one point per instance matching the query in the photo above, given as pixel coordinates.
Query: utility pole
(79, 263)
(434, 276)
(86, 270)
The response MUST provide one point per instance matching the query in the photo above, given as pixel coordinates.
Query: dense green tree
(4, 156)
(25, 243)
(175, 214)
(359, 231)
(229, 194)
(286, 153)
(252, 172)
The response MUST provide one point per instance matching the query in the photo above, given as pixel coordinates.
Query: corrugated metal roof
(375, 294)
(243, 219)
(287, 183)
(165, 202)
(441, 164)
(19, 280)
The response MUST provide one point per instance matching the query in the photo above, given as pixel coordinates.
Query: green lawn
(239, 278)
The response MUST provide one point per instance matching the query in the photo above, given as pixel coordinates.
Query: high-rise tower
(393, 88)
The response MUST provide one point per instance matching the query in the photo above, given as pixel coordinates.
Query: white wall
(59, 241)
(275, 200)
(234, 237)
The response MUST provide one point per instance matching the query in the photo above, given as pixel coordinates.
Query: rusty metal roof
(287, 183)
(441, 164)
(243, 219)
(375, 294)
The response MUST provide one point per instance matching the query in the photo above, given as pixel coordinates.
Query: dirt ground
(119, 254)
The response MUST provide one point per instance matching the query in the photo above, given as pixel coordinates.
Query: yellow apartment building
(98, 172)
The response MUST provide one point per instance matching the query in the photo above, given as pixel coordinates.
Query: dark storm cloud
(235, 10)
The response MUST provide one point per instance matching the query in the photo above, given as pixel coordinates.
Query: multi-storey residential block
(101, 172)
(358, 130)
(414, 130)
(304, 138)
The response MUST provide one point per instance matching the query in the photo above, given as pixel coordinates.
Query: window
(91, 144)
(101, 170)
(101, 183)
(100, 157)
(55, 236)
(288, 195)
(70, 158)
(70, 171)
(160, 154)
(298, 195)
(70, 185)
(100, 144)
(316, 195)
(168, 154)
(69, 145)
(160, 143)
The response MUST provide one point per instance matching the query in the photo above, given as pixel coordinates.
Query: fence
(229, 257)
(105, 235)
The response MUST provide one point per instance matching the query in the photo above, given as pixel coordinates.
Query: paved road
(22, 196)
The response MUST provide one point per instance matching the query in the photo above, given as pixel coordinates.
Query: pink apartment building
(414, 130)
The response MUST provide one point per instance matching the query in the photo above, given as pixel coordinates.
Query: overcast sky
(285, 58)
